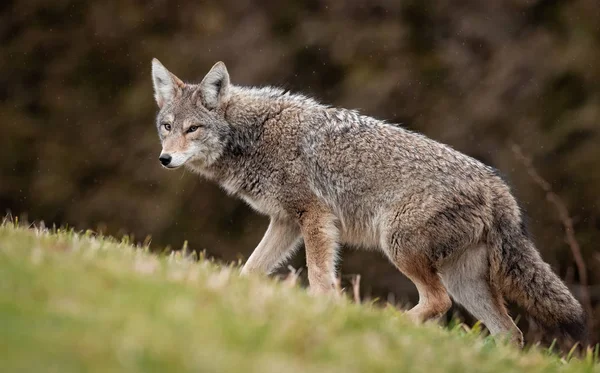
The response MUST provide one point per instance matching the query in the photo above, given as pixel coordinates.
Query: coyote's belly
(365, 236)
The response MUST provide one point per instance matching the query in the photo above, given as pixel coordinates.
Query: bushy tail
(524, 278)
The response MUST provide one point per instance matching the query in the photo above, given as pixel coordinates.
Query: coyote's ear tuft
(166, 85)
(214, 88)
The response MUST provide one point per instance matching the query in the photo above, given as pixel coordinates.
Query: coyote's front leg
(321, 240)
(279, 241)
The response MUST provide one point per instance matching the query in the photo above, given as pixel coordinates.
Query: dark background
(78, 144)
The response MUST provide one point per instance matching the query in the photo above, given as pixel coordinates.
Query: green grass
(79, 303)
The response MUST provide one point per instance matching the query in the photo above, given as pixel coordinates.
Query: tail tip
(575, 328)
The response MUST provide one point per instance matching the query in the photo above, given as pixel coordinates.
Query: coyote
(332, 176)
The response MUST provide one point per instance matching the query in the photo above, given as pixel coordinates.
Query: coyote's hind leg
(434, 301)
(468, 281)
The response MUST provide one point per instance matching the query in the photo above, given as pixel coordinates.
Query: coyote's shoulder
(331, 176)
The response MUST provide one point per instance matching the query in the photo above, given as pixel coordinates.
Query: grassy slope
(77, 303)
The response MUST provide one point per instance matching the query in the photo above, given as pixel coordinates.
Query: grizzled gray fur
(332, 176)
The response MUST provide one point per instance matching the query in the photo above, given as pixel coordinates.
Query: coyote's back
(330, 176)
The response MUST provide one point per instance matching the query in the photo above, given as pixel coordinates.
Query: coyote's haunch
(333, 176)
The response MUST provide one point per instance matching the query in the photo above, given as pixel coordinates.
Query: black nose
(165, 159)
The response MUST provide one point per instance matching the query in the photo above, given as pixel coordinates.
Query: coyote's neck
(249, 111)
(246, 116)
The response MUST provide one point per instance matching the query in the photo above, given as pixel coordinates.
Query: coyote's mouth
(171, 167)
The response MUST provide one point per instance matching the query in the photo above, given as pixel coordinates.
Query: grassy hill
(74, 302)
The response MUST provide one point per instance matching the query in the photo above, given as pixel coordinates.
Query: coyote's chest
(258, 201)
(263, 205)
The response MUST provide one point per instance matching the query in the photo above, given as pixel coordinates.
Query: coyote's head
(191, 122)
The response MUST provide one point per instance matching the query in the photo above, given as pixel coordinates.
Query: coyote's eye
(192, 129)
(167, 126)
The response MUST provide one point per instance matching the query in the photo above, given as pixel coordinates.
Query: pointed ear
(166, 85)
(214, 88)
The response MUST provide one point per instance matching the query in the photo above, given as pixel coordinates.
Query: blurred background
(78, 145)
